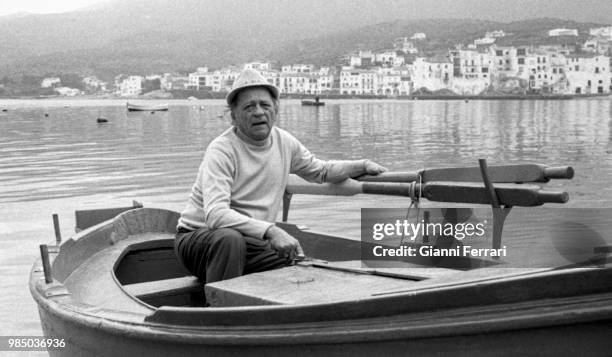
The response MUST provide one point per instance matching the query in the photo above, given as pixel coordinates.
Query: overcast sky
(384, 10)
(43, 6)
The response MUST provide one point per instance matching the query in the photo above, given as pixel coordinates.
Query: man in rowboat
(227, 228)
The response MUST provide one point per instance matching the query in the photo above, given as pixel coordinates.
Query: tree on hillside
(150, 85)
(72, 80)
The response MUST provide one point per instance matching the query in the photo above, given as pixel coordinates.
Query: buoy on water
(102, 120)
(46, 114)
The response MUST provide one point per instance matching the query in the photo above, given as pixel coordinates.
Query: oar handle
(386, 188)
(553, 196)
(348, 187)
(298, 185)
(398, 176)
(559, 172)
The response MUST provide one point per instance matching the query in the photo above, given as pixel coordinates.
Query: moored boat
(312, 103)
(131, 107)
(316, 102)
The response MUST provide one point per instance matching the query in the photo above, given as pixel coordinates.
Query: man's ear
(233, 117)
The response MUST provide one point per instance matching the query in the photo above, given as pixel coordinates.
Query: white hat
(250, 78)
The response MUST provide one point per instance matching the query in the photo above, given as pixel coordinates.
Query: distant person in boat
(227, 228)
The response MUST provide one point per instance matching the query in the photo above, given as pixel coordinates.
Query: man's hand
(372, 168)
(283, 243)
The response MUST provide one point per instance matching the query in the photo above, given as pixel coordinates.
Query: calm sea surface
(55, 157)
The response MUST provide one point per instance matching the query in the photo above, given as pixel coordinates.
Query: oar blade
(508, 194)
(499, 173)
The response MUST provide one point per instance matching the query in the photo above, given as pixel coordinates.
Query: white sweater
(240, 185)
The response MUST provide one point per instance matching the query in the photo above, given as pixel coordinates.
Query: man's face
(254, 113)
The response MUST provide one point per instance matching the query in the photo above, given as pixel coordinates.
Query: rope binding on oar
(414, 202)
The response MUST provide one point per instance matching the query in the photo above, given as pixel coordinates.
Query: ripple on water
(67, 154)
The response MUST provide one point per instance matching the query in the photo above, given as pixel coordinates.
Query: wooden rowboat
(131, 107)
(117, 289)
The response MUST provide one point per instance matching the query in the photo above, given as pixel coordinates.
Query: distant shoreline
(337, 97)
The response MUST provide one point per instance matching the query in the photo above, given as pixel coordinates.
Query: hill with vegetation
(143, 37)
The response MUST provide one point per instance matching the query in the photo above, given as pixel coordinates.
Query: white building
(563, 32)
(217, 81)
(198, 78)
(388, 59)
(558, 80)
(432, 74)
(405, 45)
(537, 69)
(305, 83)
(471, 71)
(471, 64)
(258, 66)
(418, 36)
(166, 82)
(506, 59)
(597, 45)
(324, 71)
(362, 59)
(495, 34)
(602, 32)
(94, 84)
(298, 68)
(485, 41)
(177, 82)
(130, 86)
(589, 75)
(394, 81)
(50, 82)
(67, 92)
(355, 81)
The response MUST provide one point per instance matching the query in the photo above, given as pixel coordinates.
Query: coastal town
(485, 67)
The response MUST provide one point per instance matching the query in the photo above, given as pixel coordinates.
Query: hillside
(154, 36)
(442, 35)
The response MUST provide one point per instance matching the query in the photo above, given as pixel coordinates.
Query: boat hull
(101, 338)
(146, 108)
(312, 103)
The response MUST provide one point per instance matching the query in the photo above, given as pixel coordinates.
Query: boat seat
(161, 292)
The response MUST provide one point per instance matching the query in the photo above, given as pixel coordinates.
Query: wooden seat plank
(184, 284)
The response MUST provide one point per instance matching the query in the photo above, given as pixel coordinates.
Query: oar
(499, 173)
(464, 192)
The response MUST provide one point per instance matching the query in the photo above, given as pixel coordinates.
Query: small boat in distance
(131, 107)
(315, 102)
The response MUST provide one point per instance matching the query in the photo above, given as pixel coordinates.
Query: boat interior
(146, 277)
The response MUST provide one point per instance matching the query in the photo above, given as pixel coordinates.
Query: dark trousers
(224, 253)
